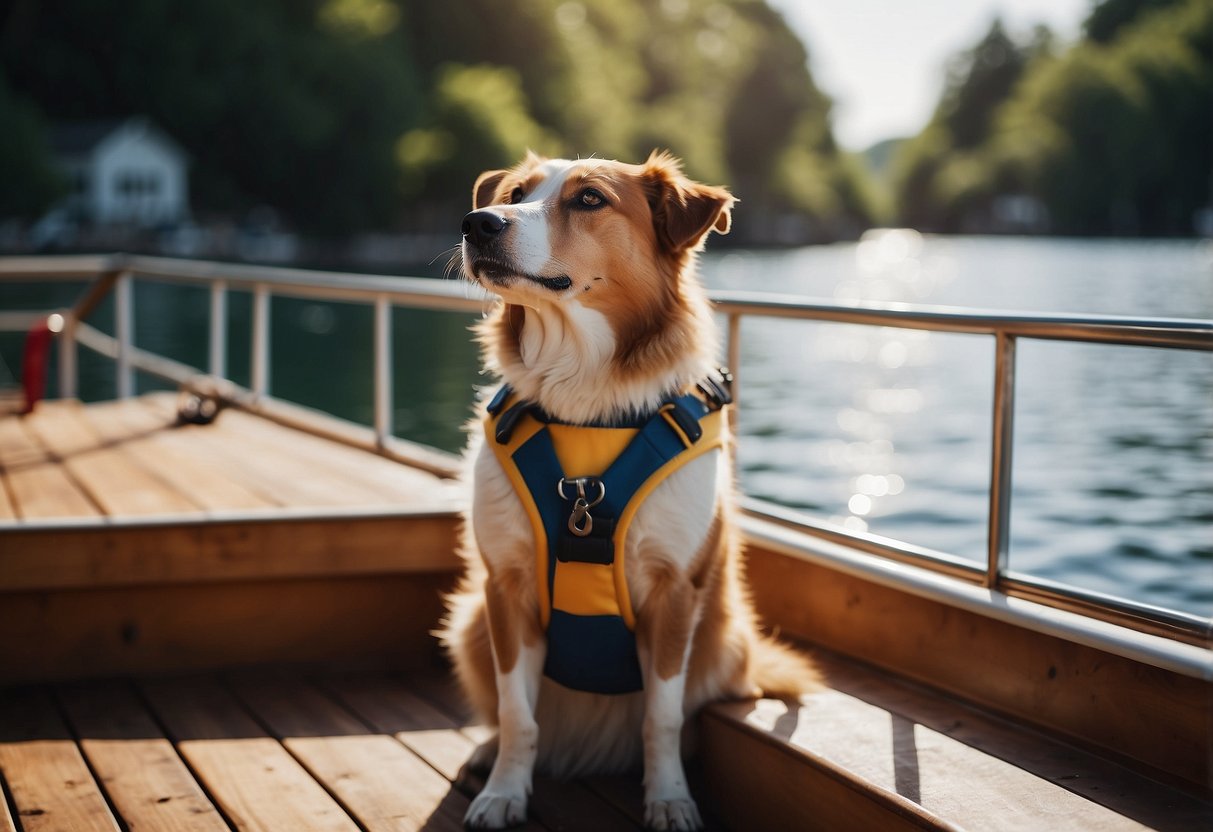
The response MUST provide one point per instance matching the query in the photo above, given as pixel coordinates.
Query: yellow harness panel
(589, 588)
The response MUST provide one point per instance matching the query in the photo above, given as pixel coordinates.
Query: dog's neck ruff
(581, 485)
(565, 362)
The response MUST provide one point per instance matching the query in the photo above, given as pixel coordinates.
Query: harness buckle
(580, 521)
(718, 388)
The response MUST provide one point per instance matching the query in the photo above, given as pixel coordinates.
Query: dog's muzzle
(484, 257)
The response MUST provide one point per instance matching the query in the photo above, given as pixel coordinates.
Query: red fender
(34, 363)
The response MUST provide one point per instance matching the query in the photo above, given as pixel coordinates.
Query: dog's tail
(781, 670)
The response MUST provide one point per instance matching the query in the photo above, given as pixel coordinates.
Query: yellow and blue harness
(581, 486)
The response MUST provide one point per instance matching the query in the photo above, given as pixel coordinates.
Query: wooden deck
(324, 751)
(132, 544)
(229, 626)
(286, 753)
(130, 459)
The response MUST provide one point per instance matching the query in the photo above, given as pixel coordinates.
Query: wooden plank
(362, 438)
(374, 620)
(110, 477)
(391, 707)
(760, 786)
(382, 784)
(282, 476)
(6, 817)
(8, 510)
(16, 447)
(892, 755)
(256, 782)
(1132, 711)
(150, 442)
(40, 486)
(1099, 780)
(149, 785)
(51, 787)
(391, 480)
(439, 737)
(218, 550)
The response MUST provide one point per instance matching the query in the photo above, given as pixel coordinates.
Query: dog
(602, 322)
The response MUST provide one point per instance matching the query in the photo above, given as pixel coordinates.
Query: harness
(581, 485)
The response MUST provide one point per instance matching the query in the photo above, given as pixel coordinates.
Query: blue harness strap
(591, 647)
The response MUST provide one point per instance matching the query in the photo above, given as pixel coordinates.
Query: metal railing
(114, 274)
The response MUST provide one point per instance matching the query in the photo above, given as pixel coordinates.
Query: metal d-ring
(580, 521)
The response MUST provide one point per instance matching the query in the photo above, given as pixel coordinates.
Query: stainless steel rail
(114, 274)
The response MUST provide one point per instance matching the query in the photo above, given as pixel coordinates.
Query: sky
(882, 61)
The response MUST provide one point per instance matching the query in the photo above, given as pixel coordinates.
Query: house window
(139, 183)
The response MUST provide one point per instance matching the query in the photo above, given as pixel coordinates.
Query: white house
(123, 171)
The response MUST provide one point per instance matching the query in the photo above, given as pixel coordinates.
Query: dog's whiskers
(454, 262)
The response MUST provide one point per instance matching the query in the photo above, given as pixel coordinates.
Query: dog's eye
(516, 195)
(591, 198)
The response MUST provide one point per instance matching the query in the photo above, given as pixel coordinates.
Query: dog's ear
(486, 187)
(684, 211)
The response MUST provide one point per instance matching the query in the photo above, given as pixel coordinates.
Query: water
(889, 430)
(874, 428)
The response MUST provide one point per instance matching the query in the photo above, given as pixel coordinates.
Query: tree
(1113, 136)
(1118, 138)
(357, 114)
(940, 177)
(31, 183)
(271, 107)
(1109, 17)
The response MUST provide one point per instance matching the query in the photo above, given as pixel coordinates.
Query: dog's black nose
(482, 226)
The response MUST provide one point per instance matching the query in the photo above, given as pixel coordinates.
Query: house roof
(79, 138)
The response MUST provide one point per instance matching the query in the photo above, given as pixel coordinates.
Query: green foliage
(1108, 17)
(31, 183)
(271, 108)
(940, 175)
(354, 114)
(1113, 136)
(978, 81)
(479, 121)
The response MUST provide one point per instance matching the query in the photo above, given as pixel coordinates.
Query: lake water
(873, 428)
(889, 430)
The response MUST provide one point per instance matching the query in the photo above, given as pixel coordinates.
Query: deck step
(871, 752)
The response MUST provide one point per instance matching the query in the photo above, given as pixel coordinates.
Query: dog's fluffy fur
(602, 316)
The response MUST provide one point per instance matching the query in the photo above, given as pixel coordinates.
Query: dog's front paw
(496, 811)
(680, 815)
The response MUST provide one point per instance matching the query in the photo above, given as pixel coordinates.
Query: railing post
(124, 302)
(734, 349)
(261, 341)
(383, 370)
(69, 373)
(218, 342)
(1001, 440)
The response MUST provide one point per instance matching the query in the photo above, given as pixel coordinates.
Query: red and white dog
(603, 316)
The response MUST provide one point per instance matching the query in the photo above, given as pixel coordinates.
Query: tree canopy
(361, 114)
(1112, 136)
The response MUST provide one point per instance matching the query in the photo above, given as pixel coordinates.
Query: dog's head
(600, 232)
(603, 313)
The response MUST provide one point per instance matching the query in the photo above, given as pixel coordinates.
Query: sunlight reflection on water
(887, 430)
